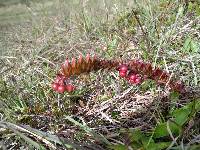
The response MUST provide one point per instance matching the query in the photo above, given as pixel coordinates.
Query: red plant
(134, 71)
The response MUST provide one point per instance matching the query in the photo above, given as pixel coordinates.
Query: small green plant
(165, 135)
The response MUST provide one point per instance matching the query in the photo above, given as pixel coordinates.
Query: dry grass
(155, 32)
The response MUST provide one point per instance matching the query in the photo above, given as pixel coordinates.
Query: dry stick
(143, 32)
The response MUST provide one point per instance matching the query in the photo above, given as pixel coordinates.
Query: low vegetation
(103, 110)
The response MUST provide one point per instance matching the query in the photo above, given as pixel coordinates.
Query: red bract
(132, 81)
(140, 65)
(55, 86)
(61, 89)
(69, 88)
(157, 73)
(122, 74)
(123, 68)
(179, 87)
(138, 80)
(132, 76)
(58, 78)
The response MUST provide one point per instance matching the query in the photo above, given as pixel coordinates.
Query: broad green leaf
(174, 97)
(190, 46)
(195, 46)
(161, 129)
(181, 115)
(139, 139)
(136, 135)
(186, 45)
(197, 104)
(136, 145)
(158, 146)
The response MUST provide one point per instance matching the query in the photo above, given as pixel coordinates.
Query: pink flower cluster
(129, 75)
(60, 84)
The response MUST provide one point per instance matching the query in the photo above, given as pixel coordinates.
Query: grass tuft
(105, 111)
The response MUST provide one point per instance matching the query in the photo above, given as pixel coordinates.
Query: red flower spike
(66, 68)
(164, 76)
(145, 77)
(89, 62)
(142, 67)
(73, 66)
(79, 65)
(87, 58)
(94, 58)
(133, 65)
(80, 59)
(66, 63)
(73, 62)
(138, 67)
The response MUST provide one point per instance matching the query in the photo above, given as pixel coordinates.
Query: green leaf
(158, 146)
(118, 147)
(191, 46)
(197, 105)
(140, 140)
(182, 115)
(197, 9)
(174, 97)
(179, 118)
(28, 140)
(186, 45)
(136, 135)
(162, 131)
(194, 46)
